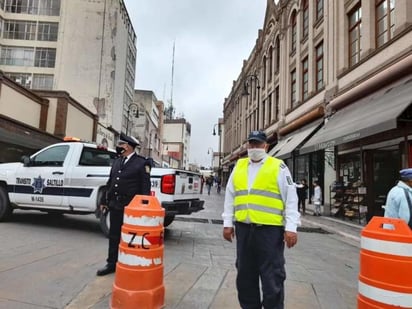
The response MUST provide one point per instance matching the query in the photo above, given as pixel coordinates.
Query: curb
(332, 229)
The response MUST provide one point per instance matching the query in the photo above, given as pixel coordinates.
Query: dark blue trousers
(260, 255)
(116, 222)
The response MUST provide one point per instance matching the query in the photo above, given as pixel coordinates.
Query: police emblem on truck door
(38, 184)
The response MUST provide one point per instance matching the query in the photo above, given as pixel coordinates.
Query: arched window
(293, 32)
(277, 54)
(305, 17)
(270, 64)
(264, 70)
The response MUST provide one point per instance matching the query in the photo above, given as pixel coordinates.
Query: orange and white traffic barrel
(385, 270)
(139, 270)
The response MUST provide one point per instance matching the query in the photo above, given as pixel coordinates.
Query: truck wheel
(105, 222)
(168, 220)
(5, 208)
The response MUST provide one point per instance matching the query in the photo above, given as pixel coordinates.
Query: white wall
(17, 106)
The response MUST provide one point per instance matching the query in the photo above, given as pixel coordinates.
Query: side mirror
(25, 160)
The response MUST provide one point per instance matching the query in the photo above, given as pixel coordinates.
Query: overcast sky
(212, 39)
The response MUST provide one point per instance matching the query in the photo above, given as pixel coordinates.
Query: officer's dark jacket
(124, 183)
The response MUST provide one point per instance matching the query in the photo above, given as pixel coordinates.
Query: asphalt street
(200, 273)
(48, 263)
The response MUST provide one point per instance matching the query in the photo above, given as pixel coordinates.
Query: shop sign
(104, 137)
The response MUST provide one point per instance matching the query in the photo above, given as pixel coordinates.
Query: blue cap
(130, 140)
(259, 136)
(406, 173)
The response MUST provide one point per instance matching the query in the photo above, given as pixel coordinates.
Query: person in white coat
(317, 198)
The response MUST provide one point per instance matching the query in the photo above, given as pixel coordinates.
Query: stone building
(330, 84)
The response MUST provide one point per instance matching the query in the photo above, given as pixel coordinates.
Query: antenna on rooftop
(170, 110)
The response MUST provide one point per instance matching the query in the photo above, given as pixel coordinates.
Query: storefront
(370, 140)
(309, 166)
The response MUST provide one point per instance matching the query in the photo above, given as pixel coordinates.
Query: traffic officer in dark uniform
(129, 176)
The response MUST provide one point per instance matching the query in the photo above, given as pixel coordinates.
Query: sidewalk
(349, 230)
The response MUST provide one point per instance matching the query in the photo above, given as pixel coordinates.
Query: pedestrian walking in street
(317, 198)
(302, 191)
(399, 199)
(261, 199)
(129, 176)
(209, 184)
(202, 183)
(218, 184)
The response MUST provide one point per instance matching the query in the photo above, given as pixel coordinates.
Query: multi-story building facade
(87, 48)
(176, 140)
(330, 84)
(148, 127)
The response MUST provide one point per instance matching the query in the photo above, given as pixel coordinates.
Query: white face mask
(256, 154)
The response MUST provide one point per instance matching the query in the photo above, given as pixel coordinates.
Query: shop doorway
(385, 174)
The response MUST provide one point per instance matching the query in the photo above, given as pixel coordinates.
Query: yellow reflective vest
(262, 204)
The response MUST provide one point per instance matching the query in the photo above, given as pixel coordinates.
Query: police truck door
(41, 182)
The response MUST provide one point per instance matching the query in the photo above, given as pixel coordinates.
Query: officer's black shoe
(107, 269)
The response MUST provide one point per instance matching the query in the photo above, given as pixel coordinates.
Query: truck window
(96, 157)
(51, 157)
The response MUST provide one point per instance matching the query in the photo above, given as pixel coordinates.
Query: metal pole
(150, 142)
(127, 120)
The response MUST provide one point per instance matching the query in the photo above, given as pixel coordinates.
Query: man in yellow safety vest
(261, 199)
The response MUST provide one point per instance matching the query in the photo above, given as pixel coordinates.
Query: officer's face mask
(256, 154)
(121, 148)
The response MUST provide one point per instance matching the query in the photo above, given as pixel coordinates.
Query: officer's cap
(259, 136)
(130, 140)
(406, 173)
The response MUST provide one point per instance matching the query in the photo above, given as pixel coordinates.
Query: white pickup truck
(70, 177)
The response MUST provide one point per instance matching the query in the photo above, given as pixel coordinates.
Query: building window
(49, 7)
(45, 57)
(305, 16)
(19, 56)
(47, 31)
(34, 7)
(263, 114)
(277, 54)
(270, 108)
(264, 70)
(293, 33)
(319, 67)
(270, 73)
(43, 81)
(305, 78)
(21, 6)
(23, 79)
(385, 21)
(276, 98)
(355, 19)
(19, 30)
(319, 9)
(293, 88)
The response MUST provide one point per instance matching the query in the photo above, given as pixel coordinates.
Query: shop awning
(286, 146)
(372, 115)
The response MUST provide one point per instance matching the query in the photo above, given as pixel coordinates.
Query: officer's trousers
(260, 255)
(116, 222)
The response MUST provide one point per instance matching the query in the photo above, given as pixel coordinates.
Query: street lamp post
(150, 140)
(219, 132)
(249, 79)
(135, 114)
(210, 150)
